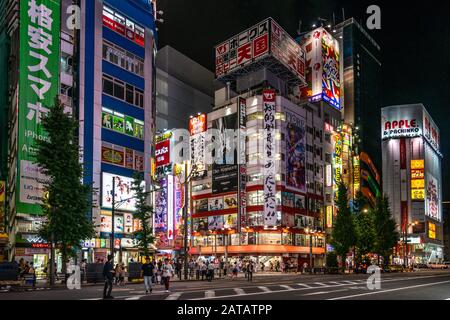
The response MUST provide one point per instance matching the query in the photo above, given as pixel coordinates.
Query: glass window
(108, 85)
(119, 89)
(129, 94)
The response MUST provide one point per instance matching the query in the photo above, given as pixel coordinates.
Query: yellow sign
(417, 164)
(431, 230)
(2, 191)
(417, 194)
(418, 184)
(329, 217)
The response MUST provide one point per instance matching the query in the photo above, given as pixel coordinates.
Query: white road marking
(265, 289)
(303, 285)
(323, 292)
(210, 294)
(390, 290)
(351, 282)
(239, 291)
(321, 284)
(286, 287)
(134, 298)
(174, 296)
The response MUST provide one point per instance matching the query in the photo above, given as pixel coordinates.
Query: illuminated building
(262, 206)
(412, 180)
(103, 71)
(361, 96)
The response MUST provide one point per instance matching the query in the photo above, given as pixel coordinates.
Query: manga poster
(295, 152)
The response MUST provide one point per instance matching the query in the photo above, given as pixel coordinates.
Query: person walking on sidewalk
(167, 272)
(147, 272)
(210, 274)
(108, 275)
(250, 269)
(32, 273)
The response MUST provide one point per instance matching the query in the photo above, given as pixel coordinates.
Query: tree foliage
(67, 200)
(366, 234)
(144, 212)
(344, 231)
(387, 235)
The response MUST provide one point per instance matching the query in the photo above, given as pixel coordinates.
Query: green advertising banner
(38, 86)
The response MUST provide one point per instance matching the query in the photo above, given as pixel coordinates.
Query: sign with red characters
(264, 40)
(162, 153)
(197, 124)
(123, 26)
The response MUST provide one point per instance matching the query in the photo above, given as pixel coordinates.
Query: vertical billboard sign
(270, 204)
(432, 198)
(242, 110)
(431, 131)
(197, 131)
(225, 166)
(38, 88)
(2, 205)
(331, 82)
(295, 135)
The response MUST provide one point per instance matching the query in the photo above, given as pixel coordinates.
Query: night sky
(414, 38)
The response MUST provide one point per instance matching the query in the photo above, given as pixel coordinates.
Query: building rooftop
(185, 69)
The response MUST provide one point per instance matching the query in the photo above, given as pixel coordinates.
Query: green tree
(332, 262)
(366, 233)
(344, 231)
(67, 200)
(387, 235)
(144, 212)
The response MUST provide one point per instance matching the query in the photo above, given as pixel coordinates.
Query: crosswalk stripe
(174, 296)
(239, 291)
(265, 289)
(320, 284)
(286, 287)
(303, 285)
(210, 294)
(351, 282)
(134, 298)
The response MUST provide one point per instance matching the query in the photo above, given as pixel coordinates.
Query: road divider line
(390, 290)
(323, 292)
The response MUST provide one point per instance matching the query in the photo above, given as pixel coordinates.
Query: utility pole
(113, 214)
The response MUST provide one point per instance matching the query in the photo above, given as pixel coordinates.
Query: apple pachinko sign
(38, 87)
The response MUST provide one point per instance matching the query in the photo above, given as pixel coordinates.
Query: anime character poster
(295, 152)
(161, 206)
(215, 222)
(432, 198)
(331, 82)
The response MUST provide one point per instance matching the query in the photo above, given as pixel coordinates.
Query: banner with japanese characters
(270, 204)
(38, 87)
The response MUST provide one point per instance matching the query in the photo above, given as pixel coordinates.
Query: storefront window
(235, 239)
(286, 239)
(269, 238)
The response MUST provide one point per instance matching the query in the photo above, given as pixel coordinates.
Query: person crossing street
(147, 271)
(108, 275)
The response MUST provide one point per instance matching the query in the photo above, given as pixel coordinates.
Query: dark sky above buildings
(414, 38)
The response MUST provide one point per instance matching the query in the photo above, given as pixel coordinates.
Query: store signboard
(417, 180)
(270, 205)
(38, 87)
(431, 131)
(197, 130)
(262, 40)
(432, 200)
(401, 121)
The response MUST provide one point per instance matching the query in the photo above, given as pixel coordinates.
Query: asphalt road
(422, 285)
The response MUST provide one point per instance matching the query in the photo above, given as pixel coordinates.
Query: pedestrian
(147, 271)
(167, 272)
(108, 275)
(210, 274)
(250, 269)
(203, 269)
(235, 271)
(116, 273)
(32, 272)
(122, 275)
(262, 266)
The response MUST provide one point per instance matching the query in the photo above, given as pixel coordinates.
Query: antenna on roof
(299, 31)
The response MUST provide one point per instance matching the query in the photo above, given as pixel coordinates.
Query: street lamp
(405, 242)
(310, 232)
(185, 213)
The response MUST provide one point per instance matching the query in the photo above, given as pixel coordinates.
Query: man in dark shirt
(147, 271)
(108, 275)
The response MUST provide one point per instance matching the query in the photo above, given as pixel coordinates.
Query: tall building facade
(262, 200)
(98, 57)
(412, 178)
(361, 96)
(184, 88)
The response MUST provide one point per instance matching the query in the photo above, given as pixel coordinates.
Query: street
(422, 285)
